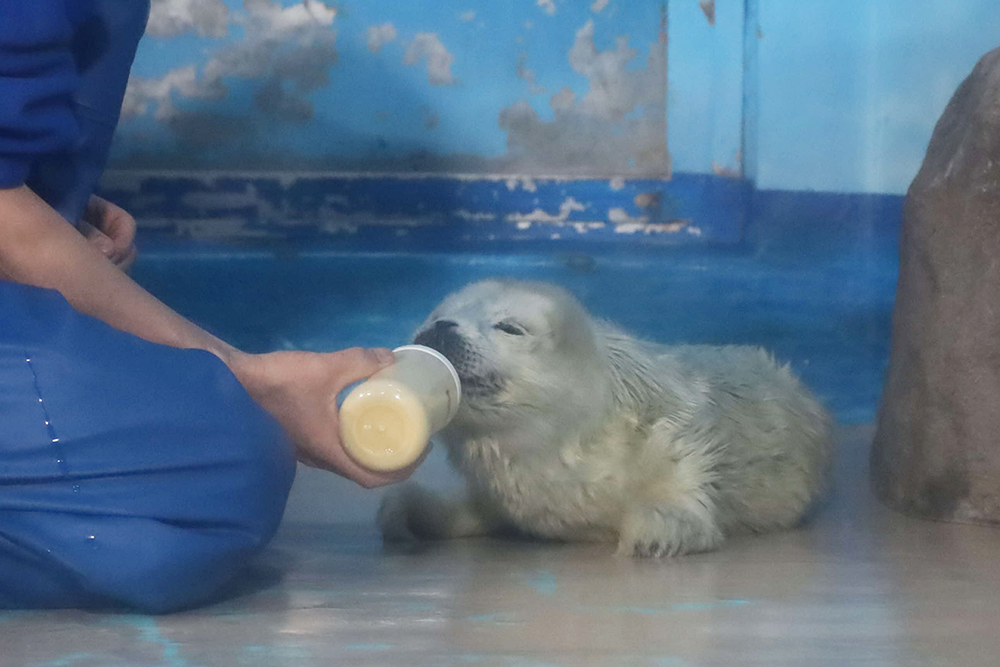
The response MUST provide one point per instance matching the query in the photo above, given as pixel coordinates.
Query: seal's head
(524, 352)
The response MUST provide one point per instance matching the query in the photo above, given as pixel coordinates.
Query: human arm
(38, 247)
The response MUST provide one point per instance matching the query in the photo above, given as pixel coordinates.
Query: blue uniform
(130, 473)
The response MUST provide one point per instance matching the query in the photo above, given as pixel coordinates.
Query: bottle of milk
(386, 422)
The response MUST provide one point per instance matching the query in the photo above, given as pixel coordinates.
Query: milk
(387, 421)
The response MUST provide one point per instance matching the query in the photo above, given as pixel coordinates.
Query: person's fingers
(347, 468)
(126, 263)
(358, 363)
(116, 223)
(98, 239)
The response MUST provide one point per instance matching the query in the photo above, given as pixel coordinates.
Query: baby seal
(572, 429)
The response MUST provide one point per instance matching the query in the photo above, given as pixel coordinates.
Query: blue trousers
(130, 473)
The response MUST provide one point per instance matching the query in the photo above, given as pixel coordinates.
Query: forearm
(38, 247)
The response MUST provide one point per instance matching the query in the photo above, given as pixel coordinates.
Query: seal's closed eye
(509, 328)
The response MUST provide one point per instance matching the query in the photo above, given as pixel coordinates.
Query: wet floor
(860, 585)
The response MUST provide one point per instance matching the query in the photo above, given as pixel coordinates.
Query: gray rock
(937, 448)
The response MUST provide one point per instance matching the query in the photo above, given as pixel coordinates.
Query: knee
(194, 531)
(184, 563)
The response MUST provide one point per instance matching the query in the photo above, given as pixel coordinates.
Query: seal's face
(517, 346)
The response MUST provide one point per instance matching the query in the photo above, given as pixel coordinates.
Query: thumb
(359, 363)
(97, 238)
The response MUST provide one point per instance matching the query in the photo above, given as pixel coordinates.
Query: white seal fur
(571, 429)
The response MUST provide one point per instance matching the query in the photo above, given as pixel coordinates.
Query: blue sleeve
(38, 77)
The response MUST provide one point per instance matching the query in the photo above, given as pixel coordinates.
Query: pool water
(828, 317)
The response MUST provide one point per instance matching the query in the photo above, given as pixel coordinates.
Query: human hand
(110, 229)
(300, 390)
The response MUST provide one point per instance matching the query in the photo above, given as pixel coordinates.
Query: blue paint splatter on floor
(6, 616)
(149, 632)
(68, 660)
(498, 618)
(276, 653)
(668, 661)
(368, 647)
(545, 583)
(709, 606)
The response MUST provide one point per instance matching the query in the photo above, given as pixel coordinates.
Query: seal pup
(571, 429)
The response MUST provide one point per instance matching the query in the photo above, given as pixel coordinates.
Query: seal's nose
(440, 337)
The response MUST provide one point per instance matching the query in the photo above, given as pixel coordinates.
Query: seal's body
(572, 429)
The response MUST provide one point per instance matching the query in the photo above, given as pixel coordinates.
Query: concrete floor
(859, 586)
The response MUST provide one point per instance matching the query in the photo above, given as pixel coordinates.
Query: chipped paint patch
(526, 182)
(597, 6)
(620, 217)
(654, 228)
(474, 216)
(429, 210)
(427, 46)
(708, 8)
(728, 172)
(647, 199)
(380, 35)
(568, 206)
(547, 6)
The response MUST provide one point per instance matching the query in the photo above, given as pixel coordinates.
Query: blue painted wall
(641, 121)
(546, 87)
(850, 90)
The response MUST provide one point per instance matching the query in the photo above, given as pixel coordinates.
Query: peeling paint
(272, 205)
(379, 35)
(474, 216)
(708, 7)
(728, 172)
(647, 199)
(624, 224)
(617, 183)
(584, 227)
(547, 6)
(427, 45)
(526, 182)
(620, 216)
(622, 114)
(527, 75)
(568, 206)
(597, 6)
